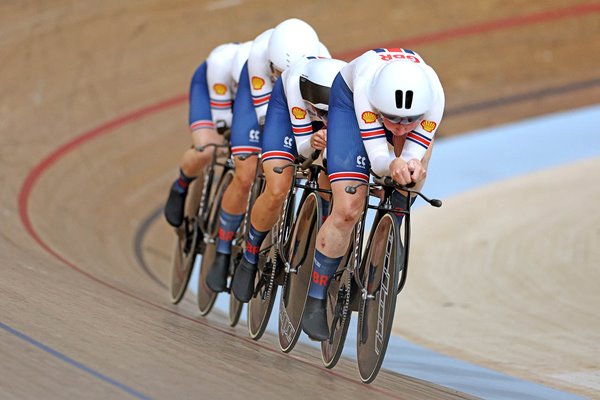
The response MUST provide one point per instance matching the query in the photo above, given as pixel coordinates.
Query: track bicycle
(368, 281)
(190, 234)
(270, 262)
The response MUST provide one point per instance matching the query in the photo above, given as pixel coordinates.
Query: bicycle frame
(208, 181)
(310, 172)
(385, 205)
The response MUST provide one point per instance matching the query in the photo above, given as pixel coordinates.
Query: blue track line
(74, 363)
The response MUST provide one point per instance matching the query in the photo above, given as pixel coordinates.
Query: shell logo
(220, 88)
(429, 126)
(298, 113)
(257, 82)
(369, 117)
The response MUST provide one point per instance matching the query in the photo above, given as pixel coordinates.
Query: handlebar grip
(388, 181)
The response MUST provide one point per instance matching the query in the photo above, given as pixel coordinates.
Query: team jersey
(213, 88)
(260, 75)
(357, 75)
(288, 125)
(302, 125)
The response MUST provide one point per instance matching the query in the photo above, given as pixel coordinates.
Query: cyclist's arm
(219, 82)
(260, 79)
(420, 139)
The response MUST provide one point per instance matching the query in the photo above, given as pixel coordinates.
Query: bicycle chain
(273, 271)
(351, 273)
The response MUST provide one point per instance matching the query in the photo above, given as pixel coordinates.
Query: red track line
(35, 174)
(480, 28)
(66, 148)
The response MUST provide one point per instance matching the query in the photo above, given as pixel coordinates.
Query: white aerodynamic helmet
(291, 40)
(401, 91)
(316, 81)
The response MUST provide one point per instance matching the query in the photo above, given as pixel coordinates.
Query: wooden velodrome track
(93, 120)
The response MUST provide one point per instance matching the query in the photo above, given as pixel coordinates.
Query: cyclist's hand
(407, 172)
(318, 140)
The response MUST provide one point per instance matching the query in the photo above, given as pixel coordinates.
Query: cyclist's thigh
(277, 182)
(346, 155)
(245, 131)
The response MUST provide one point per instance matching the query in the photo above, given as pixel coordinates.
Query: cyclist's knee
(346, 212)
(192, 162)
(244, 177)
(276, 191)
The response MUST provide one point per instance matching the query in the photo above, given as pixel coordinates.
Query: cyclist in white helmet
(384, 109)
(294, 125)
(212, 91)
(272, 52)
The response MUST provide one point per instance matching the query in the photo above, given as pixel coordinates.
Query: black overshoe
(216, 279)
(314, 319)
(243, 281)
(174, 207)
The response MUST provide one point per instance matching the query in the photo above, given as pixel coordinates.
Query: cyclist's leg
(275, 148)
(347, 163)
(245, 138)
(203, 131)
(191, 166)
(234, 202)
(267, 206)
(279, 149)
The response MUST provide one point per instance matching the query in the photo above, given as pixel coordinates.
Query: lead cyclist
(384, 109)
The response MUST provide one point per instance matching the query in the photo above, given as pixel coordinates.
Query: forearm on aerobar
(380, 155)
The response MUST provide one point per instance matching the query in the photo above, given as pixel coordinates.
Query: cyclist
(272, 52)
(212, 90)
(384, 109)
(295, 118)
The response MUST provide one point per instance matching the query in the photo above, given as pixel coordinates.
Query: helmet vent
(409, 99)
(399, 98)
(401, 102)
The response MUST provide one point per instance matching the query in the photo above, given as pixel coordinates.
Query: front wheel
(206, 297)
(187, 245)
(301, 255)
(338, 315)
(261, 304)
(380, 275)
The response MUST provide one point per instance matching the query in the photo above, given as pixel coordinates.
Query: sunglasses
(402, 120)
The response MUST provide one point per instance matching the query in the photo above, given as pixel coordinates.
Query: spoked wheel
(261, 304)
(186, 245)
(338, 316)
(206, 297)
(297, 280)
(379, 277)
